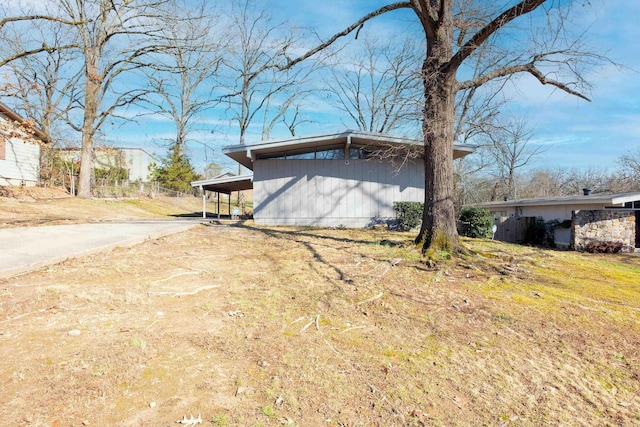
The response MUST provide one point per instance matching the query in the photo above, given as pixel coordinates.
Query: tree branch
(26, 53)
(5, 21)
(292, 62)
(484, 33)
(523, 68)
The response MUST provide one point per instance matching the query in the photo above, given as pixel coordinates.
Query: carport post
(204, 201)
(218, 193)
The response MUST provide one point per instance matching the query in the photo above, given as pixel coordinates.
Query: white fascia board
(224, 180)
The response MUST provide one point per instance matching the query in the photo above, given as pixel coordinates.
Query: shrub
(408, 214)
(603, 247)
(475, 222)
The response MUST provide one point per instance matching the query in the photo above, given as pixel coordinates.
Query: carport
(223, 185)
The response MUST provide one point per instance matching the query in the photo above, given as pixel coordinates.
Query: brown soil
(253, 326)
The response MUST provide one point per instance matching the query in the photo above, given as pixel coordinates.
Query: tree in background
(46, 83)
(629, 170)
(175, 172)
(112, 37)
(254, 84)
(509, 150)
(182, 74)
(378, 85)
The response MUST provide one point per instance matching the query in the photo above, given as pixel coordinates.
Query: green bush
(475, 222)
(408, 214)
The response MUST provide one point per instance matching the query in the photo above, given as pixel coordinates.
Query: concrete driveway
(29, 248)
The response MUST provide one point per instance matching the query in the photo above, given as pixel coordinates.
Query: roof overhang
(226, 184)
(246, 154)
(604, 199)
(12, 115)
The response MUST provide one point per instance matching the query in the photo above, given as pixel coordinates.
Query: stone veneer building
(599, 217)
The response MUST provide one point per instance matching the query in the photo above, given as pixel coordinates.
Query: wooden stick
(181, 294)
(306, 326)
(371, 299)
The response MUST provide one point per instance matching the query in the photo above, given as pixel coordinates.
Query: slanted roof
(245, 154)
(226, 184)
(604, 199)
(12, 115)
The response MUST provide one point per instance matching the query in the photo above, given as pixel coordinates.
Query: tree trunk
(438, 231)
(92, 87)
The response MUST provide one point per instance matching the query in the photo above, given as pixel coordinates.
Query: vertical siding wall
(21, 164)
(334, 193)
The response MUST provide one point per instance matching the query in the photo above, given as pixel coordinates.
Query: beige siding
(353, 193)
(547, 213)
(21, 164)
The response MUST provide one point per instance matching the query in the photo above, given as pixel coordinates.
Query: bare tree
(629, 170)
(378, 86)
(112, 37)
(46, 84)
(180, 75)
(258, 83)
(510, 149)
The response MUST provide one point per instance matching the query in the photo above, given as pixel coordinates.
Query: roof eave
(246, 154)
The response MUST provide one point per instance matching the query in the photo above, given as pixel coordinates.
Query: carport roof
(226, 184)
(246, 154)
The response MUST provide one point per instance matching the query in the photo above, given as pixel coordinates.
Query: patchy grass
(254, 325)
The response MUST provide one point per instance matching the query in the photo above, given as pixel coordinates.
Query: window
(300, 156)
(359, 153)
(330, 154)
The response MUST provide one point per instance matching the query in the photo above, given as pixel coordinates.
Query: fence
(124, 188)
(513, 229)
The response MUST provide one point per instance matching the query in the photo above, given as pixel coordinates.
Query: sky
(572, 133)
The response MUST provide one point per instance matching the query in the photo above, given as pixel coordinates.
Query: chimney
(586, 191)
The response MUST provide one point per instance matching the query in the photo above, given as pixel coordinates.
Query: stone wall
(603, 226)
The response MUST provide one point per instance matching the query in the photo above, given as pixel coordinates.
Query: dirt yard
(252, 326)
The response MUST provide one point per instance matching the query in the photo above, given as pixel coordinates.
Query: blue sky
(575, 133)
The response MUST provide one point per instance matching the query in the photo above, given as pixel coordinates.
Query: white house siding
(353, 193)
(21, 164)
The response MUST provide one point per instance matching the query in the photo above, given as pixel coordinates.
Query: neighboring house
(19, 152)
(348, 179)
(135, 161)
(581, 219)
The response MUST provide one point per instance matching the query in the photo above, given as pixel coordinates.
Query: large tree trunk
(92, 87)
(438, 231)
(438, 219)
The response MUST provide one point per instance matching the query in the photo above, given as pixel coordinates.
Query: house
(134, 161)
(348, 179)
(580, 219)
(19, 149)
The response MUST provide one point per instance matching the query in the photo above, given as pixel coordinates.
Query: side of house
(327, 192)
(348, 179)
(135, 161)
(580, 220)
(19, 152)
